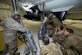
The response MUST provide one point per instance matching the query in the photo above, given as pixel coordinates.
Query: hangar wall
(75, 14)
(6, 9)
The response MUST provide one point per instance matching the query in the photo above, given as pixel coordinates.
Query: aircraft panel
(35, 2)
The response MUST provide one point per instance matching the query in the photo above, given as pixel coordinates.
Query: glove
(21, 35)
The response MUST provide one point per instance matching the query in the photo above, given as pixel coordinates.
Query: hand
(58, 29)
(55, 30)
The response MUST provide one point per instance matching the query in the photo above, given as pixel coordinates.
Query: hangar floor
(76, 25)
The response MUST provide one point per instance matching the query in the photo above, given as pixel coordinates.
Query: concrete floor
(76, 25)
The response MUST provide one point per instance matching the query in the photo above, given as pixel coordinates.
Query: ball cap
(15, 13)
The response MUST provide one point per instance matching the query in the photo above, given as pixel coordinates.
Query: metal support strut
(14, 5)
(42, 28)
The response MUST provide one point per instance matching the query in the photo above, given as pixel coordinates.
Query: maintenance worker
(55, 22)
(11, 26)
(72, 44)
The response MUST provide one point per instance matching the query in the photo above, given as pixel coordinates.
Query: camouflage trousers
(11, 47)
(69, 52)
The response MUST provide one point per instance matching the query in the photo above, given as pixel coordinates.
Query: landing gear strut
(42, 33)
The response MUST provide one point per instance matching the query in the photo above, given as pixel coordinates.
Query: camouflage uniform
(72, 45)
(54, 21)
(58, 37)
(9, 33)
(73, 42)
(51, 49)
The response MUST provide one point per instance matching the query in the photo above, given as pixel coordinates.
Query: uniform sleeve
(59, 37)
(21, 22)
(45, 20)
(15, 26)
(68, 42)
(56, 22)
(59, 33)
(55, 39)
